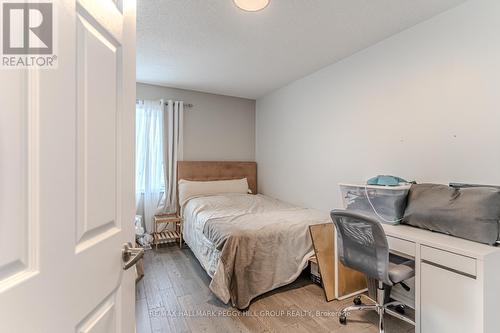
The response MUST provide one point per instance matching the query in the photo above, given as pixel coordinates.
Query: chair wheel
(400, 309)
(357, 301)
(343, 320)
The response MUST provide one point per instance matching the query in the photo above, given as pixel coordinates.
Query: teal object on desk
(385, 180)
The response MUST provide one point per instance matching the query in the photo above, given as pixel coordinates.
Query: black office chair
(362, 245)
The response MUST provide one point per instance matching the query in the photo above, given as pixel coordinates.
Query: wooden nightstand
(161, 235)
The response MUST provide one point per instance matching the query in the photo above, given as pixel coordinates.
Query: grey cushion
(470, 213)
(404, 271)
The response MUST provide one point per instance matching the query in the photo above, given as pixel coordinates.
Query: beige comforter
(264, 244)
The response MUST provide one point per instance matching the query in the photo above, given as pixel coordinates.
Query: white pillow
(189, 189)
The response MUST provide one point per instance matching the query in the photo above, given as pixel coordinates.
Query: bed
(248, 244)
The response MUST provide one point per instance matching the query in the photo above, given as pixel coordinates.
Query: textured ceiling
(211, 46)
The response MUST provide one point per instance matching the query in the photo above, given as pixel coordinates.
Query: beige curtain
(173, 152)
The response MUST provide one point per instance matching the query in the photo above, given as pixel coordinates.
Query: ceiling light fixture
(251, 5)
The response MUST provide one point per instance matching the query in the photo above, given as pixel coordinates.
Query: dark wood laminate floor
(174, 296)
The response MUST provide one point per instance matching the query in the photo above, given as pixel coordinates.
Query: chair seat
(401, 272)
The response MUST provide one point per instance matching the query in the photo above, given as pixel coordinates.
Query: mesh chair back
(362, 244)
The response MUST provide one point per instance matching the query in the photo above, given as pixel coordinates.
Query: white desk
(457, 282)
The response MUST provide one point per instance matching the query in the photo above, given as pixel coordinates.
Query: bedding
(248, 244)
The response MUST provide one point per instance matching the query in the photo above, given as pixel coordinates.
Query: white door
(67, 177)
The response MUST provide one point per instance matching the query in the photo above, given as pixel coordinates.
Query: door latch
(131, 255)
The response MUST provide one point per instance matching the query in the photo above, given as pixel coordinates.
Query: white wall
(423, 104)
(217, 127)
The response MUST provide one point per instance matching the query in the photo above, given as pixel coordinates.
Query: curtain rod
(186, 105)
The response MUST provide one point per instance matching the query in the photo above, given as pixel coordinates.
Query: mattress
(248, 244)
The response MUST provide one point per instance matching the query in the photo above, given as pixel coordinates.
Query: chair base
(381, 309)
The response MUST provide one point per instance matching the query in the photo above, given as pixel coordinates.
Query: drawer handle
(448, 269)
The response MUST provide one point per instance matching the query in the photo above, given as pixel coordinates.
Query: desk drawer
(401, 246)
(449, 260)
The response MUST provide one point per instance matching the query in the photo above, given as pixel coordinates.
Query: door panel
(448, 301)
(97, 61)
(13, 177)
(18, 148)
(102, 319)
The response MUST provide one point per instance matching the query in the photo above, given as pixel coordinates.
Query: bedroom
(241, 134)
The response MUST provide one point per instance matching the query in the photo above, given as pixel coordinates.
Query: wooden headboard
(205, 171)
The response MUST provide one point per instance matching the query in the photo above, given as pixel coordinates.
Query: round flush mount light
(251, 5)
